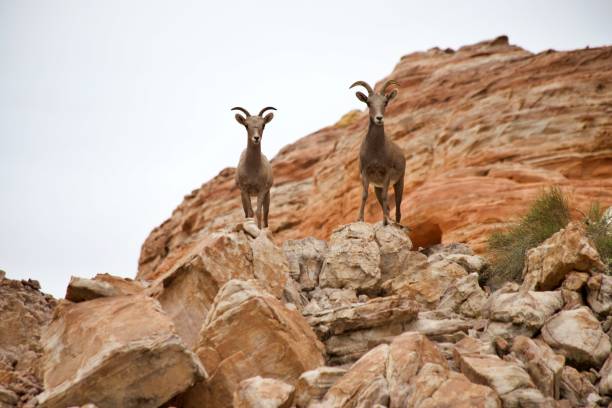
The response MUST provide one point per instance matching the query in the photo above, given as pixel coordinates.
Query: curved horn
(246, 112)
(387, 84)
(365, 85)
(261, 112)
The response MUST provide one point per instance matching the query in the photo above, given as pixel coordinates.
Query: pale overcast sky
(111, 111)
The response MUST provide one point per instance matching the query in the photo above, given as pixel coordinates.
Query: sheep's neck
(375, 139)
(253, 155)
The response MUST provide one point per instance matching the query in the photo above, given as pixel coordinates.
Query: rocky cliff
(483, 128)
(223, 314)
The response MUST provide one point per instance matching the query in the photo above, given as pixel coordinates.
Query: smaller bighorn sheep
(254, 173)
(381, 162)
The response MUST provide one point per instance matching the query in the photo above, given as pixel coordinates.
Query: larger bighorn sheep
(381, 162)
(254, 173)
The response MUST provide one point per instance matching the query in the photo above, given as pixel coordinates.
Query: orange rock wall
(484, 129)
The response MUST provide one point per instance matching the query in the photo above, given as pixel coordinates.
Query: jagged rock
(440, 252)
(314, 384)
(440, 326)
(578, 336)
(363, 257)
(409, 372)
(394, 245)
(435, 386)
(408, 353)
(374, 313)
(260, 392)
(605, 385)
(599, 294)
(465, 296)
(511, 382)
(576, 388)
(353, 259)
(102, 285)
(24, 311)
(542, 364)
(305, 258)
(424, 282)
(350, 331)
(279, 344)
(521, 312)
(568, 250)
(364, 385)
(322, 300)
(97, 351)
(187, 290)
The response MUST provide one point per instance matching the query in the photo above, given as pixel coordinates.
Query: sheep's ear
(391, 95)
(268, 117)
(362, 97)
(240, 119)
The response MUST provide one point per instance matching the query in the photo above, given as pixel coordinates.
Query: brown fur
(254, 173)
(381, 162)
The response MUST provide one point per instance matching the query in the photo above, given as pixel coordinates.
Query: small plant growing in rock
(599, 227)
(548, 214)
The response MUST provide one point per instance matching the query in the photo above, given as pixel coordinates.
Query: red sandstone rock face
(483, 129)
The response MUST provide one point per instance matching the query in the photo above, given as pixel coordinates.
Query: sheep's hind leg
(246, 205)
(364, 195)
(266, 208)
(399, 193)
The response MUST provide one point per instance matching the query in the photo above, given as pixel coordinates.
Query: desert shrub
(599, 229)
(548, 214)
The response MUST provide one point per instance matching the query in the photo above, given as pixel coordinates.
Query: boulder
(577, 389)
(394, 245)
(526, 311)
(605, 384)
(599, 294)
(465, 297)
(363, 257)
(260, 392)
(350, 331)
(187, 290)
(24, 311)
(408, 353)
(353, 259)
(577, 335)
(364, 385)
(280, 345)
(119, 351)
(511, 382)
(102, 285)
(436, 386)
(424, 282)
(542, 364)
(305, 257)
(314, 384)
(569, 249)
(409, 372)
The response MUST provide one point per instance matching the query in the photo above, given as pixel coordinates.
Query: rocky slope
(361, 320)
(483, 128)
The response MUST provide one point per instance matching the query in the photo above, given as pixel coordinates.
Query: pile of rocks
(359, 321)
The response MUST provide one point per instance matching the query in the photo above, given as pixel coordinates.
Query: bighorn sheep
(381, 162)
(254, 173)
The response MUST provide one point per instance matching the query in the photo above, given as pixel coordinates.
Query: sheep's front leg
(260, 202)
(364, 194)
(246, 204)
(266, 208)
(385, 201)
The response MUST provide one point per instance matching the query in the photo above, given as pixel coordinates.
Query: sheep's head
(377, 102)
(254, 124)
